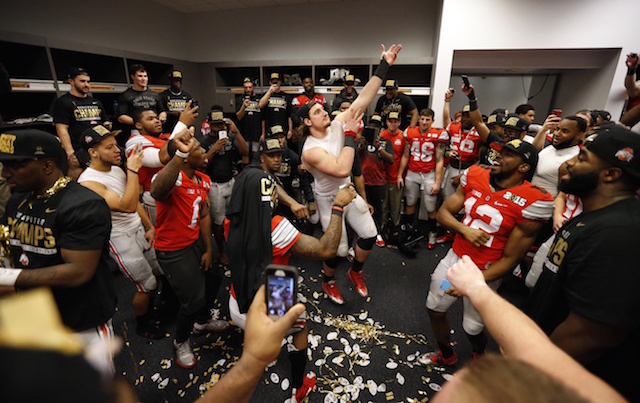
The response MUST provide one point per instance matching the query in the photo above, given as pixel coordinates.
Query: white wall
(541, 24)
(353, 29)
(118, 24)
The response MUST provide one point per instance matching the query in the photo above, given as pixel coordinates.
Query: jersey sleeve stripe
(284, 234)
(539, 210)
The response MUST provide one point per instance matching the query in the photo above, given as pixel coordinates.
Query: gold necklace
(57, 186)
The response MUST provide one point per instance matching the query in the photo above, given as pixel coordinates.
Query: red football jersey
(283, 236)
(496, 213)
(422, 148)
(398, 142)
(146, 173)
(466, 143)
(178, 217)
(303, 99)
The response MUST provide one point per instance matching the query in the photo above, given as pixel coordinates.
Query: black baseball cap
(94, 135)
(349, 79)
(275, 76)
(271, 146)
(77, 71)
(525, 150)
(216, 116)
(276, 130)
(517, 123)
(618, 146)
(497, 118)
(391, 84)
(175, 75)
(29, 143)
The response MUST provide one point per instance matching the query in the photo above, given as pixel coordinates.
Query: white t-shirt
(549, 160)
(332, 143)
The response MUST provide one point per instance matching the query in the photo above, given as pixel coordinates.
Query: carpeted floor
(363, 351)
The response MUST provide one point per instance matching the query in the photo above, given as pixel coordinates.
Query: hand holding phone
(557, 112)
(222, 134)
(465, 80)
(281, 283)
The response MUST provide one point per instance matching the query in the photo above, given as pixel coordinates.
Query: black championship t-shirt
(74, 218)
(492, 147)
(174, 104)
(592, 270)
(220, 168)
(278, 111)
(403, 104)
(79, 114)
(251, 123)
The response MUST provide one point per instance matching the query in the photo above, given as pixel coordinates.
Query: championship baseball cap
(216, 115)
(391, 83)
(247, 80)
(500, 110)
(349, 79)
(525, 150)
(393, 115)
(270, 146)
(377, 118)
(93, 135)
(466, 109)
(517, 123)
(497, 118)
(618, 146)
(29, 143)
(77, 71)
(275, 76)
(276, 130)
(175, 75)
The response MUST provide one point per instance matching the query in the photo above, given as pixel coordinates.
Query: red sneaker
(356, 277)
(380, 242)
(447, 237)
(330, 289)
(308, 384)
(437, 359)
(432, 240)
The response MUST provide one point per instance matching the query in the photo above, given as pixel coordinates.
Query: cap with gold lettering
(175, 75)
(270, 146)
(91, 136)
(29, 143)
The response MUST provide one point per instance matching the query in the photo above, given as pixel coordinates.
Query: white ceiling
(200, 6)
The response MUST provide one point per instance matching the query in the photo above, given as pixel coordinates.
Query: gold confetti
(141, 362)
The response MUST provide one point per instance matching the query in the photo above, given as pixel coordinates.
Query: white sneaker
(215, 326)
(184, 354)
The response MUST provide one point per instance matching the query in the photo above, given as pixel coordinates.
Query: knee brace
(333, 262)
(366, 243)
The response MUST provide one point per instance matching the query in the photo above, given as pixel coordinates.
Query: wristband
(382, 69)
(630, 71)
(473, 105)
(350, 141)
(131, 170)
(472, 95)
(182, 154)
(349, 133)
(337, 210)
(8, 276)
(180, 126)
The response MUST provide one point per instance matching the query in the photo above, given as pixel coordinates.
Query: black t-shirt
(251, 122)
(74, 218)
(492, 147)
(220, 168)
(403, 104)
(79, 114)
(175, 103)
(592, 270)
(342, 97)
(278, 111)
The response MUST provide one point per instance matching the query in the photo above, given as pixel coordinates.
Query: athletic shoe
(437, 359)
(308, 384)
(184, 354)
(447, 237)
(215, 326)
(330, 289)
(432, 240)
(356, 278)
(380, 241)
(351, 255)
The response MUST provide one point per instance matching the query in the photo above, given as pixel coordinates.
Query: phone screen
(222, 134)
(281, 292)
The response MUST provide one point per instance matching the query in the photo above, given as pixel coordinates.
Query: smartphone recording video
(281, 295)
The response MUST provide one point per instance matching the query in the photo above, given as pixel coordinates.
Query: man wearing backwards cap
(59, 235)
(132, 232)
(587, 298)
(74, 112)
(395, 101)
(503, 213)
(277, 105)
(328, 154)
(174, 100)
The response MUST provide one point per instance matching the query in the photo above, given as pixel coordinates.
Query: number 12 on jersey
(488, 218)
